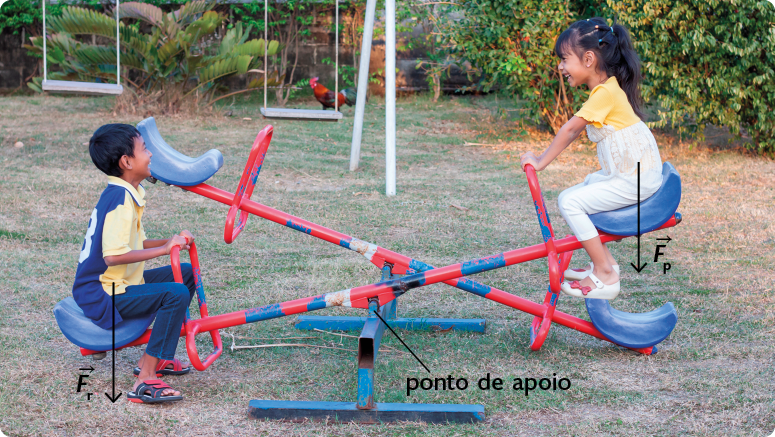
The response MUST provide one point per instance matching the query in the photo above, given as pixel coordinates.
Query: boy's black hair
(614, 50)
(109, 143)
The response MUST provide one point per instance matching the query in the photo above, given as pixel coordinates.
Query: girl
(602, 58)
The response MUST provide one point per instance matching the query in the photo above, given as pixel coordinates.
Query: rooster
(326, 96)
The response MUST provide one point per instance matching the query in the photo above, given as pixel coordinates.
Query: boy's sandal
(156, 387)
(161, 368)
(602, 291)
(579, 274)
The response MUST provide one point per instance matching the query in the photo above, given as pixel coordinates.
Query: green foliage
(18, 14)
(177, 58)
(280, 15)
(352, 14)
(349, 74)
(511, 44)
(431, 16)
(708, 62)
(289, 23)
(704, 62)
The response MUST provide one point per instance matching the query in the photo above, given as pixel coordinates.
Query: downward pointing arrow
(639, 267)
(113, 398)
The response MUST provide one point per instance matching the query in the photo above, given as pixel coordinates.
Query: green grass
(711, 377)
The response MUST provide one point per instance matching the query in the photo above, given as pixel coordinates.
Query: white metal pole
(390, 97)
(266, 47)
(336, 63)
(363, 84)
(45, 68)
(118, 43)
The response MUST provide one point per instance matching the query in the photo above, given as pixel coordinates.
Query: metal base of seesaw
(330, 323)
(365, 410)
(299, 411)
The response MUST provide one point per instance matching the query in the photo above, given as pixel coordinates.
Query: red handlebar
(246, 184)
(546, 228)
(192, 331)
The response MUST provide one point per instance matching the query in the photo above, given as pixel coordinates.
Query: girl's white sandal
(602, 291)
(579, 274)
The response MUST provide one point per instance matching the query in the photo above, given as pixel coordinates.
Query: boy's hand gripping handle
(192, 329)
(246, 184)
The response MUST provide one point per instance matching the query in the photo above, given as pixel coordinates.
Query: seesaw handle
(246, 184)
(192, 329)
(541, 324)
(546, 228)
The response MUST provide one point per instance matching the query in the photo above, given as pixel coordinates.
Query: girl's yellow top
(608, 104)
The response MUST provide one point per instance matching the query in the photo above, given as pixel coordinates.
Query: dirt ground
(711, 377)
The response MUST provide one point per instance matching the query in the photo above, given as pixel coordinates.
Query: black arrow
(668, 239)
(402, 341)
(114, 398)
(639, 267)
(90, 368)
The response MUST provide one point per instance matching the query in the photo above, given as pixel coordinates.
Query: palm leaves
(178, 56)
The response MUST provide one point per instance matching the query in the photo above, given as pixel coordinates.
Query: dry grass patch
(711, 377)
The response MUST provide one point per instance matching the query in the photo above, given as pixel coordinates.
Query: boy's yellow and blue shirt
(115, 228)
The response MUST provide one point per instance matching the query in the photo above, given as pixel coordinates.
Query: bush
(512, 43)
(707, 62)
(703, 62)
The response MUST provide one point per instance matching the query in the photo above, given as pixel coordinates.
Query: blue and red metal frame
(417, 274)
(400, 274)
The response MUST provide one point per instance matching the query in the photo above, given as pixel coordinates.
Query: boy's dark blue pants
(169, 300)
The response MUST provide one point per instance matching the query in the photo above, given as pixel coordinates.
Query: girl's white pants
(579, 201)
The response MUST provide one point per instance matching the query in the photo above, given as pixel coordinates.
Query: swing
(87, 88)
(301, 114)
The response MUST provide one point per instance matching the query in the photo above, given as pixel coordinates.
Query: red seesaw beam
(359, 296)
(379, 256)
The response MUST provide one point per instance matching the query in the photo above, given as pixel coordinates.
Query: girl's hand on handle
(176, 240)
(530, 158)
(567, 133)
(188, 236)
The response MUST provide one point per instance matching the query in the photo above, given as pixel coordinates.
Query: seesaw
(639, 332)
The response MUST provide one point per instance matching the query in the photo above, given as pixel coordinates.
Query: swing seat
(654, 211)
(81, 331)
(172, 167)
(301, 114)
(87, 88)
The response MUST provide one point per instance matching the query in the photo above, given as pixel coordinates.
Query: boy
(114, 253)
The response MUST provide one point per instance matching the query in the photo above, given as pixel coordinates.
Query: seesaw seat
(638, 330)
(170, 166)
(635, 330)
(654, 211)
(81, 331)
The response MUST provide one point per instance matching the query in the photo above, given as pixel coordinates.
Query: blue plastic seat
(654, 211)
(81, 331)
(170, 166)
(635, 330)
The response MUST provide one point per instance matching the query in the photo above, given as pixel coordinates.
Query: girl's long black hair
(614, 51)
